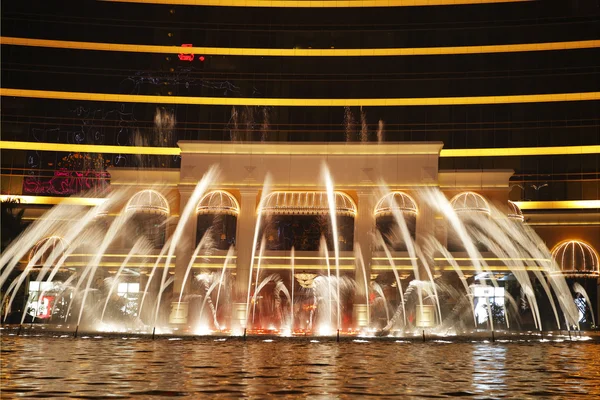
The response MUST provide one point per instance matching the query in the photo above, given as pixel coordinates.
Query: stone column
(364, 227)
(183, 253)
(426, 223)
(426, 226)
(246, 224)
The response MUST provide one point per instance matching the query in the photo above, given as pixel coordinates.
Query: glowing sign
(65, 182)
(184, 56)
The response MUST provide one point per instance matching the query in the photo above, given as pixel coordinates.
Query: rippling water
(48, 367)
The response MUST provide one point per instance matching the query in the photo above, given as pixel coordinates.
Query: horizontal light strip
(266, 52)
(521, 151)
(117, 264)
(88, 201)
(90, 148)
(555, 205)
(174, 151)
(123, 255)
(240, 101)
(49, 200)
(493, 259)
(315, 4)
(297, 258)
(563, 223)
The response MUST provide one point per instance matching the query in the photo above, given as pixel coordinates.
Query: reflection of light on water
(489, 370)
(97, 337)
(360, 341)
(442, 341)
(174, 338)
(286, 333)
(202, 330)
(220, 340)
(325, 330)
(85, 337)
(315, 341)
(268, 340)
(402, 341)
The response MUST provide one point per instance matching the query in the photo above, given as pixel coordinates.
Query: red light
(201, 58)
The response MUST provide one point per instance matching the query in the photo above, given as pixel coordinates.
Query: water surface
(92, 367)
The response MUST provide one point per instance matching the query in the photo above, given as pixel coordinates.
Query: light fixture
(305, 279)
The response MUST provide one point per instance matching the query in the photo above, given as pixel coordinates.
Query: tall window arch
(299, 219)
(386, 211)
(48, 247)
(151, 210)
(218, 210)
(468, 206)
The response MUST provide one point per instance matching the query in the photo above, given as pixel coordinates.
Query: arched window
(470, 202)
(45, 248)
(218, 210)
(151, 211)
(299, 219)
(468, 206)
(388, 208)
(576, 258)
(514, 212)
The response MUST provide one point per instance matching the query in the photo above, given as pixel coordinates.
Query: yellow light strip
(389, 268)
(505, 268)
(576, 223)
(521, 151)
(554, 205)
(298, 258)
(281, 102)
(493, 259)
(117, 264)
(304, 267)
(49, 200)
(91, 148)
(173, 151)
(122, 255)
(266, 52)
(315, 4)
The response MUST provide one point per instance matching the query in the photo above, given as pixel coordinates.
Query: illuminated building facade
(509, 89)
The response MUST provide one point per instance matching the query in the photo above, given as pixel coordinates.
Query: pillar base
(425, 316)
(238, 316)
(179, 313)
(360, 316)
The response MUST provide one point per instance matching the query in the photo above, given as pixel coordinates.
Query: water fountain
(440, 290)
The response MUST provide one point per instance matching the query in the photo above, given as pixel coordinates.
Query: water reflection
(199, 368)
(489, 370)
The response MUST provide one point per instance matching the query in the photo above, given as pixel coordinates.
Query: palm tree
(11, 221)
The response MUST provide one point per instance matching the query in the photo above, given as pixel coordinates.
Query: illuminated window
(52, 246)
(514, 212)
(151, 211)
(218, 202)
(300, 219)
(387, 210)
(218, 211)
(307, 203)
(148, 201)
(125, 289)
(576, 258)
(470, 202)
(395, 201)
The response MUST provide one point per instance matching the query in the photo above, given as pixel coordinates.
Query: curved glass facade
(485, 71)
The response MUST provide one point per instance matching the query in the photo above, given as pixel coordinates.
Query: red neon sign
(186, 57)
